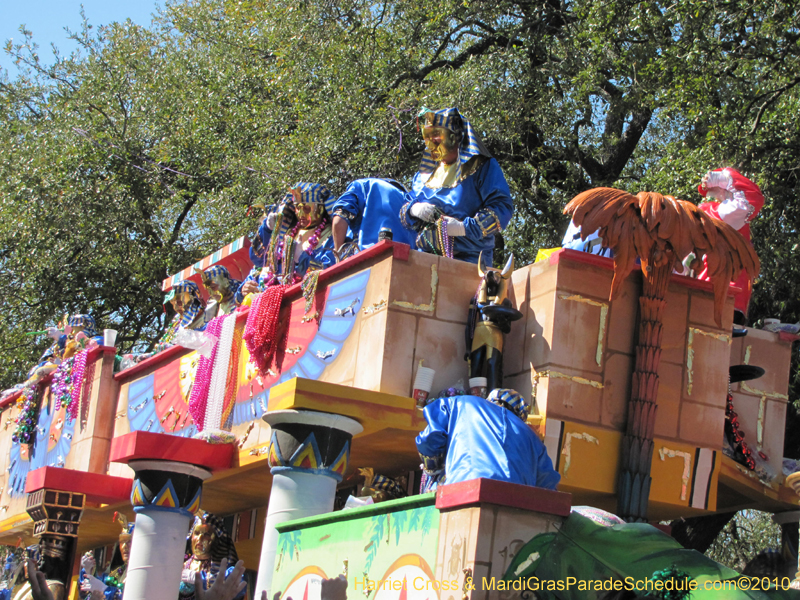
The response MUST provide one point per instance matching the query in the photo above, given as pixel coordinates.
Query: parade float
(312, 392)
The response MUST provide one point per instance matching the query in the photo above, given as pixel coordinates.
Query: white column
(297, 492)
(159, 538)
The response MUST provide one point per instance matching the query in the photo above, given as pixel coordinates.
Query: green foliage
(747, 534)
(137, 155)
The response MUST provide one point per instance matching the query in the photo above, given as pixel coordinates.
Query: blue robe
(480, 439)
(482, 201)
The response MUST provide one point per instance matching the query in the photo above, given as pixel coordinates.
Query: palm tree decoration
(661, 231)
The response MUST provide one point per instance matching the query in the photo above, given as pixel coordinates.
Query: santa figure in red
(735, 200)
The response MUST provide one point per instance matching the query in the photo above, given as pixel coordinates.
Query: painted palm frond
(661, 231)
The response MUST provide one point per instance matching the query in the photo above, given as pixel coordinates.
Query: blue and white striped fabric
(471, 144)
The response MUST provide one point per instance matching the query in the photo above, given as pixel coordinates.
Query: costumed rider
(108, 586)
(459, 198)
(69, 336)
(221, 289)
(468, 437)
(293, 240)
(735, 200)
(189, 315)
(210, 543)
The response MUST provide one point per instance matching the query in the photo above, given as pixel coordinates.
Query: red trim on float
(146, 445)
(398, 250)
(98, 487)
(502, 493)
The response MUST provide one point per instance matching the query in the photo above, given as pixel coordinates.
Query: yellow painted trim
(664, 453)
(566, 451)
(690, 352)
(374, 410)
(14, 522)
(603, 318)
(423, 307)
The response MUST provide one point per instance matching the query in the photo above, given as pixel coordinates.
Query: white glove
(88, 563)
(718, 179)
(187, 576)
(455, 228)
(95, 585)
(54, 332)
(735, 211)
(272, 218)
(424, 211)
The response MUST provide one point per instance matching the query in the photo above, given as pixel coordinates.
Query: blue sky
(47, 19)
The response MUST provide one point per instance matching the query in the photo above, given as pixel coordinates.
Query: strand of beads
(445, 241)
(202, 379)
(738, 436)
(78, 371)
(62, 379)
(28, 417)
(219, 377)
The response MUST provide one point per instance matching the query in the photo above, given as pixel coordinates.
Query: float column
(308, 455)
(169, 473)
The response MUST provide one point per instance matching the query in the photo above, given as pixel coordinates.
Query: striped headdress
(85, 321)
(220, 275)
(449, 118)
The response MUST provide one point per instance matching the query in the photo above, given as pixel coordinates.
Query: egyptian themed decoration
(489, 320)
(459, 198)
(56, 518)
(163, 490)
(210, 543)
(55, 571)
(293, 240)
(736, 201)
(468, 437)
(314, 449)
(221, 289)
(110, 585)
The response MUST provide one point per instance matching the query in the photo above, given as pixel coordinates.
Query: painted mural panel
(316, 334)
(389, 549)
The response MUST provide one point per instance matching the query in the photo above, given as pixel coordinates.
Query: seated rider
(221, 289)
(296, 233)
(459, 198)
(468, 437)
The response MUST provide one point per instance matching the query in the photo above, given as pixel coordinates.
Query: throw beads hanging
(62, 383)
(28, 418)
(741, 450)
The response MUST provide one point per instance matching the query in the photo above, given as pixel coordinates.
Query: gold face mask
(308, 215)
(438, 140)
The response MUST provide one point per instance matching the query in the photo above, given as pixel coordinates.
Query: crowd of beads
(28, 403)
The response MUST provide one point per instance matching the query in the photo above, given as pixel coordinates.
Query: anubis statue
(490, 317)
